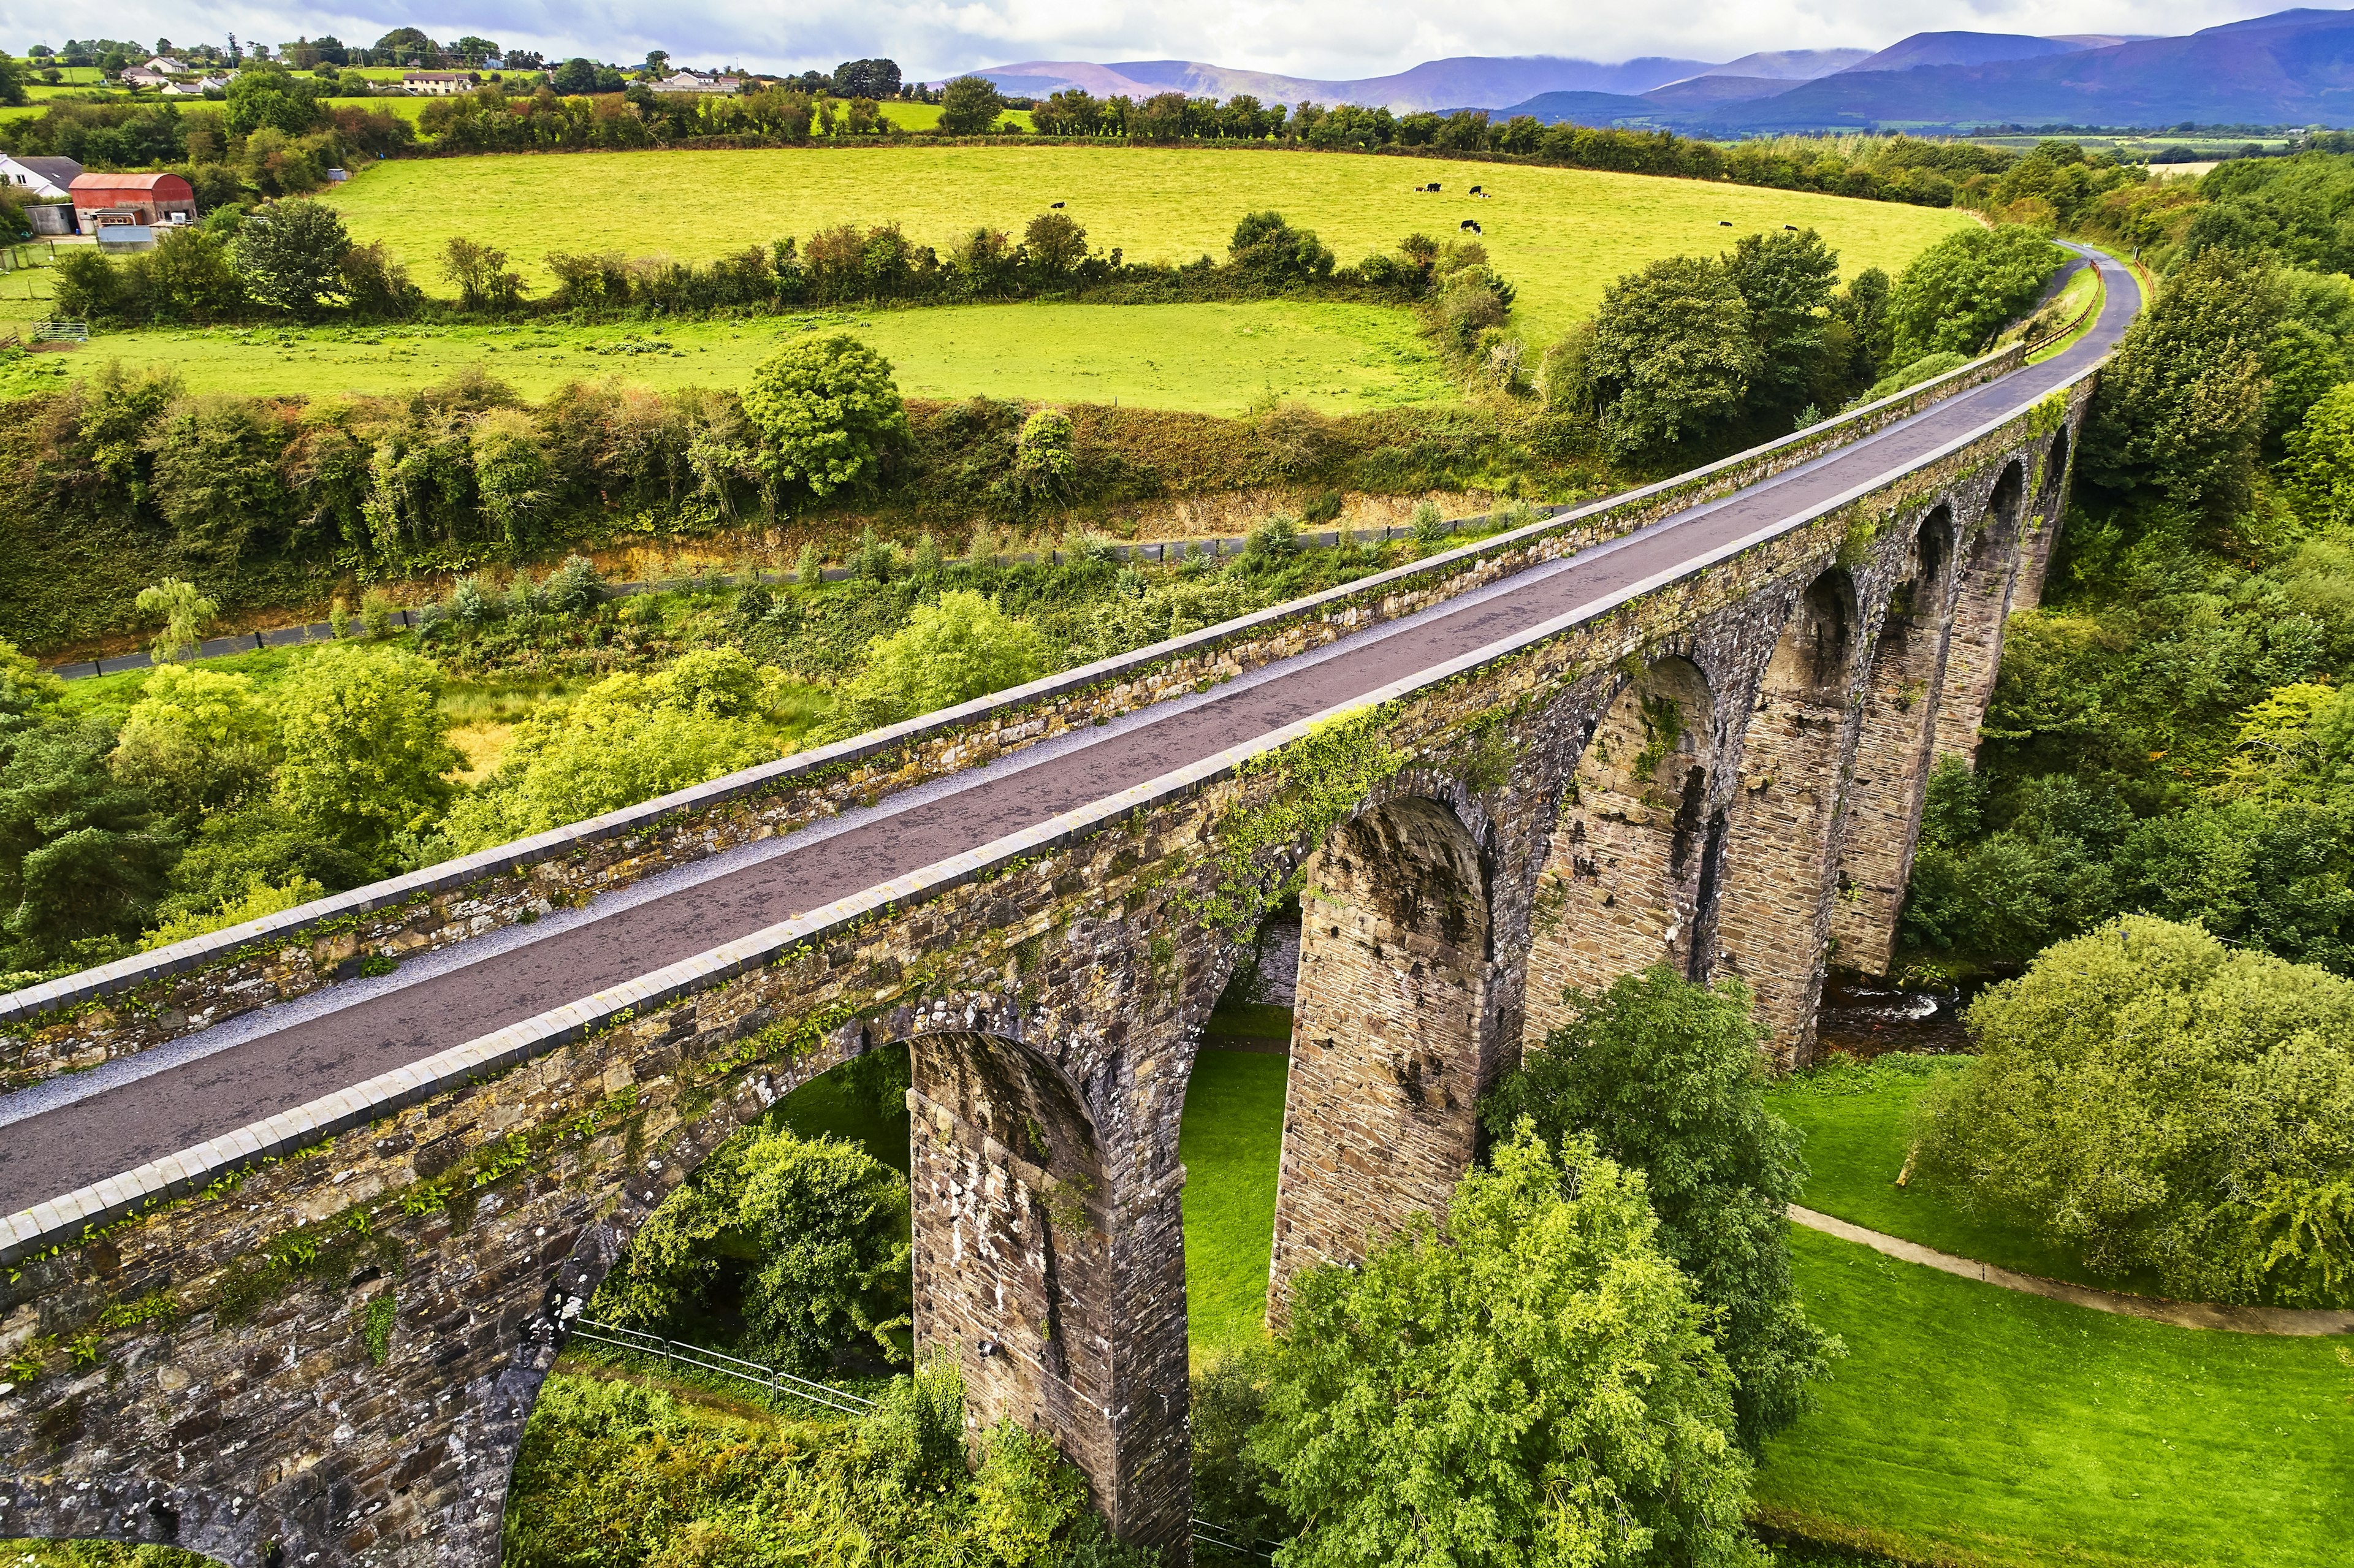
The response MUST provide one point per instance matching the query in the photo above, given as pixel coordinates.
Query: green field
(1856, 1123)
(1213, 358)
(1973, 1424)
(1231, 1141)
(1560, 235)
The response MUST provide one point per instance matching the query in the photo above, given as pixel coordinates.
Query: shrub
(828, 412)
(197, 742)
(1959, 293)
(1428, 525)
(82, 858)
(258, 899)
(366, 757)
(574, 587)
(1042, 464)
(2158, 1100)
(950, 651)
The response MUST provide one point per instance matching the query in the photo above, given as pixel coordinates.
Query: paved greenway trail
(114, 1124)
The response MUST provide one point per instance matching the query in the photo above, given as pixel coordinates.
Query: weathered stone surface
(224, 1397)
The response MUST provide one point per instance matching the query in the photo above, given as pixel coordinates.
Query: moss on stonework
(1325, 776)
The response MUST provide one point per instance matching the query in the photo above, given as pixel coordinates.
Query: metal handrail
(2100, 297)
(775, 1379)
(1218, 1536)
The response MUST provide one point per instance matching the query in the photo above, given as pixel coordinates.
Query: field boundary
(1227, 648)
(2278, 1320)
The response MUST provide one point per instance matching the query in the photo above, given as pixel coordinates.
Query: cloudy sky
(1323, 38)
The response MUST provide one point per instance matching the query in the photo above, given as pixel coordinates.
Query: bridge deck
(69, 1132)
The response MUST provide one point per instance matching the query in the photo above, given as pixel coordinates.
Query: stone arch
(1990, 563)
(1772, 917)
(2055, 467)
(1622, 884)
(1890, 770)
(1389, 1047)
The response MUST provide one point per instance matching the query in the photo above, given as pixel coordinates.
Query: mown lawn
(1231, 1141)
(1975, 1424)
(1209, 358)
(1857, 1123)
(1560, 235)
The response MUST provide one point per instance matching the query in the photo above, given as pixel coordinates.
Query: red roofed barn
(149, 200)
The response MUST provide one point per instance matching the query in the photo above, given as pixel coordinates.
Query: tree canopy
(1536, 1389)
(830, 412)
(1666, 1077)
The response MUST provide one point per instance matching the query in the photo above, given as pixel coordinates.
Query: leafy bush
(950, 651)
(1666, 1077)
(2159, 1100)
(260, 899)
(289, 255)
(197, 742)
(365, 755)
(1671, 354)
(184, 613)
(1959, 293)
(82, 856)
(1929, 368)
(627, 739)
(1540, 1380)
(828, 411)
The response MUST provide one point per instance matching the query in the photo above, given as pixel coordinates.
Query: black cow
(1724, 223)
(1473, 224)
(1054, 204)
(1476, 191)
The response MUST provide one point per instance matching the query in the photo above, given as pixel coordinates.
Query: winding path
(2156, 1308)
(281, 1056)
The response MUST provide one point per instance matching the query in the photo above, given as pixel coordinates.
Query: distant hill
(1963, 50)
(2293, 67)
(1707, 94)
(1789, 64)
(1477, 81)
(1602, 109)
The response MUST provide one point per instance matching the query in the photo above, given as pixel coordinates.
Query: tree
(186, 613)
(1265, 244)
(1788, 279)
(828, 413)
(950, 651)
(266, 96)
(12, 81)
(1535, 1389)
(577, 75)
(2320, 464)
(2155, 1099)
(1666, 1077)
(1963, 291)
(1056, 242)
(1672, 354)
(82, 858)
(405, 45)
(970, 106)
(196, 743)
(290, 256)
(365, 753)
(30, 696)
(2180, 408)
(868, 78)
(814, 1227)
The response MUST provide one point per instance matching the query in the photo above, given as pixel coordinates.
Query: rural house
(164, 65)
(688, 81)
(42, 179)
(140, 76)
(438, 83)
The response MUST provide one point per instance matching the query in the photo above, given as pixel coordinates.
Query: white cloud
(1327, 38)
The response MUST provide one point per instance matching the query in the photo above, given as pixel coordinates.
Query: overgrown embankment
(275, 505)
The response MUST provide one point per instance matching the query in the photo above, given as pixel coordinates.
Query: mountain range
(2290, 68)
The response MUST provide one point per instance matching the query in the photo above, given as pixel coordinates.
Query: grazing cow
(1055, 204)
(1473, 224)
(1792, 228)
(1724, 223)
(1477, 191)
(1433, 185)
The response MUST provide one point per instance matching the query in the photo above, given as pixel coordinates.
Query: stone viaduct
(1719, 766)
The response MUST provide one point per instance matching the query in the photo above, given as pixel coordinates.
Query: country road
(61, 1135)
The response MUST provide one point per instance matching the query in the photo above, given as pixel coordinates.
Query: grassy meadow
(1206, 359)
(1560, 235)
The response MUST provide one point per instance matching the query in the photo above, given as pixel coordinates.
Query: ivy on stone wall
(1326, 776)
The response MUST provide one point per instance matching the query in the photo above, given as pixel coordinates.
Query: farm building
(688, 81)
(438, 83)
(109, 201)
